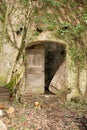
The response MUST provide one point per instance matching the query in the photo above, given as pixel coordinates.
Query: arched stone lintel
(46, 42)
(45, 37)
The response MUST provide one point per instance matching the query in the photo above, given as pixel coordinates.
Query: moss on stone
(3, 80)
(15, 78)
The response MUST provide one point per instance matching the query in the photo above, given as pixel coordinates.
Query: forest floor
(44, 112)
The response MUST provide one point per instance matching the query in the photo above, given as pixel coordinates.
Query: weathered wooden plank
(35, 83)
(35, 71)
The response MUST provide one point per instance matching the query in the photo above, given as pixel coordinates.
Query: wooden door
(35, 71)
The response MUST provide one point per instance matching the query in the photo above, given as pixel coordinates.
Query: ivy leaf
(84, 18)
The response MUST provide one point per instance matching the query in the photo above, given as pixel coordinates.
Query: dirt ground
(44, 112)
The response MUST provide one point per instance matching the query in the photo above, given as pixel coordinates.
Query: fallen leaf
(2, 106)
(10, 110)
(37, 105)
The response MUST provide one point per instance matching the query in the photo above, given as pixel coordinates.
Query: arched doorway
(43, 61)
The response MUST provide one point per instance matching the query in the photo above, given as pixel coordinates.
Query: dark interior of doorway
(54, 56)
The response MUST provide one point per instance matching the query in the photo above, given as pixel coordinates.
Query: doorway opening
(54, 56)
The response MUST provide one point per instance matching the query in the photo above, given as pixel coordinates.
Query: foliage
(73, 32)
(65, 29)
(84, 18)
(3, 9)
(24, 2)
(76, 53)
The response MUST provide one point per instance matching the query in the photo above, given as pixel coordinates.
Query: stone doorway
(52, 56)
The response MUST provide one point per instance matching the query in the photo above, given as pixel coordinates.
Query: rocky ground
(45, 112)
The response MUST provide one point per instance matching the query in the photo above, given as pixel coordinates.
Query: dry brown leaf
(2, 106)
(10, 110)
(37, 105)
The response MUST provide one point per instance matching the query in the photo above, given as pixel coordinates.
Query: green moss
(36, 33)
(3, 80)
(50, 27)
(15, 78)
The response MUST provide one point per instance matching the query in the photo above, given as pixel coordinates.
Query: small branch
(12, 43)
(11, 10)
(13, 33)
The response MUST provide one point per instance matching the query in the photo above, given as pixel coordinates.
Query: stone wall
(76, 79)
